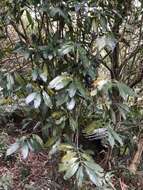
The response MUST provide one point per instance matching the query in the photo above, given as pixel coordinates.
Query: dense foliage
(78, 67)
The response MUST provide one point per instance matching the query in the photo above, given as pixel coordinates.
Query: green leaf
(65, 147)
(51, 141)
(30, 97)
(80, 176)
(68, 156)
(72, 91)
(116, 136)
(26, 53)
(30, 19)
(66, 164)
(93, 177)
(18, 78)
(34, 145)
(44, 75)
(111, 140)
(71, 170)
(61, 99)
(34, 74)
(59, 82)
(73, 124)
(36, 97)
(125, 90)
(38, 139)
(71, 104)
(63, 167)
(25, 150)
(37, 100)
(96, 167)
(55, 148)
(92, 126)
(10, 81)
(66, 48)
(47, 99)
(12, 149)
(80, 88)
(124, 109)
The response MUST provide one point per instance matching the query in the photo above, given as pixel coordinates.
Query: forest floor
(39, 172)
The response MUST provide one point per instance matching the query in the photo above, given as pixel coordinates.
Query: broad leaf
(59, 82)
(25, 150)
(80, 176)
(30, 97)
(71, 170)
(116, 136)
(12, 149)
(37, 100)
(47, 99)
(71, 104)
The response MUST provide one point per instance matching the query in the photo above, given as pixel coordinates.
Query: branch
(18, 32)
(137, 157)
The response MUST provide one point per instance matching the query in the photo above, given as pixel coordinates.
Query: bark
(137, 157)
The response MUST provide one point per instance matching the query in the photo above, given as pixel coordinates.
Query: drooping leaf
(80, 88)
(47, 99)
(29, 18)
(55, 148)
(125, 90)
(73, 124)
(93, 177)
(71, 104)
(72, 91)
(34, 74)
(71, 170)
(111, 140)
(38, 139)
(18, 78)
(68, 156)
(13, 148)
(80, 176)
(10, 81)
(25, 150)
(30, 97)
(59, 82)
(37, 100)
(96, 167)
(65, 147)
(66, 48)
(116, 136)
(61, 99)
(44, 74)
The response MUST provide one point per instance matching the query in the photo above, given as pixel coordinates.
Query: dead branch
(137, 157)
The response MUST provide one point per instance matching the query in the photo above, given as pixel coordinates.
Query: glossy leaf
(71, 104)
(71, 170)
(47, 99)
(80, 176)
(37, 100)
(12, 149)
(30, 97)
(59, 82)
(25, 150)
